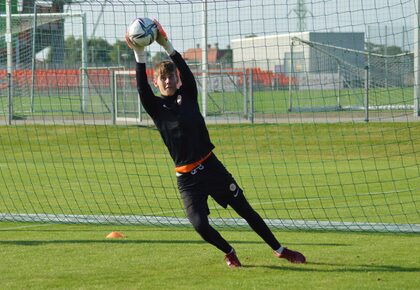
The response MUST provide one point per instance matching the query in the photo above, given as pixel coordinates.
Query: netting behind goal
(316, 114)
(228, 95)
(355, 79)
(42, 75)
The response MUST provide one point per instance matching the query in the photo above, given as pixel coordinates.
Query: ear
(155, 82)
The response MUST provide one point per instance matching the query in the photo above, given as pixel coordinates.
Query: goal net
(316, 117)
(128, 108)
(228, 96)
(42, 66)
(352, 79)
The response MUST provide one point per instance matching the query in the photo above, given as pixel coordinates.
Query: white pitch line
(23, 227)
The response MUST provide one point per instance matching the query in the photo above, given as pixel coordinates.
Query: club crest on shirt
(232, 187)
(179, 100)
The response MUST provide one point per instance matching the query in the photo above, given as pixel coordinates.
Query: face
(167, 84)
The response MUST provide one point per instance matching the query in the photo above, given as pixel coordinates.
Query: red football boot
(232, 260)
(291, 256)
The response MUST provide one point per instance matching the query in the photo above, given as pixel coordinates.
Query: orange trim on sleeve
(189, 167)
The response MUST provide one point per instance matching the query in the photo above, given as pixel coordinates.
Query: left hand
(162, 38)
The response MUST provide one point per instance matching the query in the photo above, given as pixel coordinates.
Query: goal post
(28, 36)
(125, 99)
(349, 75)
(416, 93)
(229, 94)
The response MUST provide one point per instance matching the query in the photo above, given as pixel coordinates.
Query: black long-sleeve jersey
(177, 117)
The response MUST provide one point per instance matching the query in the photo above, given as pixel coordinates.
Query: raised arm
(146, 95)
(187, 77)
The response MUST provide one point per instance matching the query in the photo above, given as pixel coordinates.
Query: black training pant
(212, 178)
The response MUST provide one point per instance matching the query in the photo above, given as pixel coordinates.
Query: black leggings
(212, 179)
(199, 219)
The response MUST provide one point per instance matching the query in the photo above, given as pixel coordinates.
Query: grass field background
(50, 256)
(265, 101)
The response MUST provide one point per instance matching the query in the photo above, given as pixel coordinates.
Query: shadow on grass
(137, 241)
(335, 267)
(119, 241)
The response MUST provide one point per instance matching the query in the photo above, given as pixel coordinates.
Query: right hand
(131, 44)
(138, 50)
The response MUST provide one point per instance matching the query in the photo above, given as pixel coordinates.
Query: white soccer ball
(142, 31)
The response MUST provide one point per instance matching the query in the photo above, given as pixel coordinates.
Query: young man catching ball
(199, 172)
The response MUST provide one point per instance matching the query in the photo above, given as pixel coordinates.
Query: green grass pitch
(50, 256)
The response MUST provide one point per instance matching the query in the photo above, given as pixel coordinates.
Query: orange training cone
(115, 235)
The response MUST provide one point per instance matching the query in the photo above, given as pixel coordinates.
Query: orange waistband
(189, 167)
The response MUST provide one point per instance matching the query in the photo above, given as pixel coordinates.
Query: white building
(274, 52)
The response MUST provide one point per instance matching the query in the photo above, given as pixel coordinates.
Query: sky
(383, 21)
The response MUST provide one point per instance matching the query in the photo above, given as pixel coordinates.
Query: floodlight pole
(9, 61)
(417, 61)
(204, 64)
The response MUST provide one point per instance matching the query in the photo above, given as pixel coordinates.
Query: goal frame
(245, 112)
(366, 107)
(34, 19)
(115, 117)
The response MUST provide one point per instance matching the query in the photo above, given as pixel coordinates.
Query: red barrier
(70, 79)
(45, 79)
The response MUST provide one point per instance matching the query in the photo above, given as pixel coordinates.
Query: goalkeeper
(199, 172)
